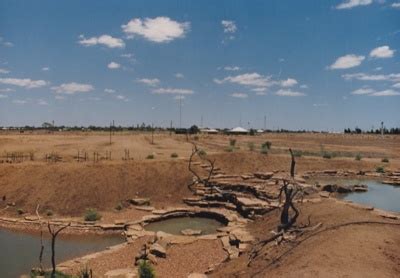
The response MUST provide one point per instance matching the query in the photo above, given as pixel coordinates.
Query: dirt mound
(70, 188)
(369, 250)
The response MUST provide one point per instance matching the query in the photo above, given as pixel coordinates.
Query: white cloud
(149, 82)
(320, 104)
(378, 69)
(397, 86)
(289, 93)
(42, 102)
(45, 69)
(290, 82)
(247, 79)
(239, 95)
(348, 4)
(232, 68)
(229, 26)
(5, 43)
(73, 88)
(113, 65)
(19, 101)
(173, 91)
(58, 97)
(3, 96)
(394, 77)
(109, 91)
(396, 5)
(179, 75)
(159, 29)
(24, 82)
(363, 91)
(259, 90)
(382, 52)
(121, 97)
(304, 86)
(385, 93)
(179, 97)
(105, 40)
(347, 61)
(7, 90)
(4, 71)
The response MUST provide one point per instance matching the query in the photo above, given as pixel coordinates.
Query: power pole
(110, 133)
(382, 131)
(180, 112)
(265, 122)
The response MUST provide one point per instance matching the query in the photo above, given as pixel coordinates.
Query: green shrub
(251, 146)
(49, 212)
(92, 215)
(196, 138)
(146, 270)
(380, 169)
(327, 155)
(85, 273)
(385, 160)
(264, 150)
(150, 156)
(266, 145)
(119, 206)
(174, 155)
(232, 142)
(202, 152)
(358, 157)
(47, 274)
(20, 211)
(230, 149)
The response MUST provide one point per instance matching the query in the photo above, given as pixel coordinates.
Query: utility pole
(265, 122)
(113, 124)
(201, 122)
(180, 112)
(170, 128)
(382, 131)
(110, 132)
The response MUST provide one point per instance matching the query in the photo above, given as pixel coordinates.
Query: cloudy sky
(321, 65)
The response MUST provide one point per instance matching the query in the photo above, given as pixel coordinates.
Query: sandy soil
(368, 250)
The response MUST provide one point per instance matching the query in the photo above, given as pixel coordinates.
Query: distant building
(209, 131)
(238, 131)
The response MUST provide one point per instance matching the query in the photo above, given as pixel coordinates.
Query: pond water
(20, 251)
(379, 195)
(176, 225)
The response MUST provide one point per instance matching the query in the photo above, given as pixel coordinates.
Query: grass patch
(232, 142)
(385, 160)
(358, 157)
(47, 274)
(297, 153)
(119, 206)
(251, 146)
(380, 169)
(266, 145)
(146, 270)
(92, 215)
(150, 156)
(202, 152)
(20, 211)
(230, 149)
(49, 212)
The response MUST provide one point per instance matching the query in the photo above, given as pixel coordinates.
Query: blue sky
(322, 65)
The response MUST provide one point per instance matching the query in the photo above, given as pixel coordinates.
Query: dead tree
(199, 179)
(54, 233)
(290, 191)
(293, 164)
(41, 270)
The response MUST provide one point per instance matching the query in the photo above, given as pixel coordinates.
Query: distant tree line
(393, 130)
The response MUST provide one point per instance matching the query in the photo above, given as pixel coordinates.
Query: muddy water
(379, 195)
(20, 251)
(176, 225)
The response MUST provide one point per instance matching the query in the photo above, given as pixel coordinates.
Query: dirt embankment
(369, 250)
(70, 188)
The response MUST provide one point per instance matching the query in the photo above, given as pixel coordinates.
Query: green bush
(20, 211)
(230, 149)
(85, 273)
(47, 274)
(251, 146)
(146, 270)
(264, 150)
(266, 145)
(202, 152)
(49, 212)
(119, 206)
(174, 155)
(92, 215)
(327, 155)
(232, 142)
(380, 169)
(150, 156)
(385, 160)
(358, 157)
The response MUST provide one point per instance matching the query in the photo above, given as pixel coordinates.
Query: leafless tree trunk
(54, 233)
(41, 241)
(293, 164)
(205, 181)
